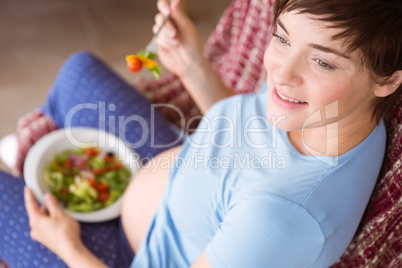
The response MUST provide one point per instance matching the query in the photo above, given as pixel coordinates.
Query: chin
(284, 122)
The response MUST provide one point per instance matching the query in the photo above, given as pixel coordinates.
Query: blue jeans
(85, 93)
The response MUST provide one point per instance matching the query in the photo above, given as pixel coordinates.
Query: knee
(83, 59)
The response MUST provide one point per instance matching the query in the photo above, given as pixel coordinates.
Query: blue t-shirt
(240, 191)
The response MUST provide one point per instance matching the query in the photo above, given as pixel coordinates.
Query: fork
(152, 46)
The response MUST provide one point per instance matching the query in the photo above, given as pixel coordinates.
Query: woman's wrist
(195, 70)
(76, 254)
(71, 250)
(204, 84)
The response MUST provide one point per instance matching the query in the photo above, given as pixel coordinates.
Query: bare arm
(205, 86)
(180, 50)
(80, 256)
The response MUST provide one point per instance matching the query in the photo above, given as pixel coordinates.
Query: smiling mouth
(288, 99)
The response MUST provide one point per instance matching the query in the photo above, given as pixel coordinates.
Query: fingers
(168, 35)
(50, 226)
(31, 206)
(168, 28)
(166, 41)
(52, 205)
(163, 7)
(178, 14)
(43, 210)
(165, 12)
(34, 211)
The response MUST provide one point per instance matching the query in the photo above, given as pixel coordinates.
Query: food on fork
(136, 62)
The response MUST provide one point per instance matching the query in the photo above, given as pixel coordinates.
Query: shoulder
(266, 230)
(276, 211)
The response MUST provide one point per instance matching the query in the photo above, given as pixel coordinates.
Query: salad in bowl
(86, 179)
(86, 169)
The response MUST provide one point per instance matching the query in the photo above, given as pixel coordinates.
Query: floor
(36, 36)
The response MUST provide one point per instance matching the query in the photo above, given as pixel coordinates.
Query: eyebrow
(329, 50)
(315, 46)
(282, 26)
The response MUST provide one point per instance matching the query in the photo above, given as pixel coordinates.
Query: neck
(333, 139)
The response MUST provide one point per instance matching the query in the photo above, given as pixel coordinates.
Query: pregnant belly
(143, 195)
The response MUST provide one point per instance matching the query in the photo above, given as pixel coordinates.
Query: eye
(324, 65)
(281, 39)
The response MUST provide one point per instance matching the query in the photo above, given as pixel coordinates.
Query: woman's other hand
(179, 46)
(57, 231)
(180, 51)
(50, 226)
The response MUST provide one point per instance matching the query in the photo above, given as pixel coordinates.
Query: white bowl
(44, 150)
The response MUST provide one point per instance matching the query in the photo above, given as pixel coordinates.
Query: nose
(289, 70)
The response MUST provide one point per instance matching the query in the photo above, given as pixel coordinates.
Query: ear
(389, 86)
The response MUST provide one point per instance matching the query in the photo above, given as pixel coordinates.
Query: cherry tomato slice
(101, 187)
(108, 159)
(91, 151)
(68, 163)
(103, 196)
(92, 182)
(64, 191)
(134, 64)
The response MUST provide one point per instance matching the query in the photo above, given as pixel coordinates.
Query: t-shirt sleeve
(265, 230)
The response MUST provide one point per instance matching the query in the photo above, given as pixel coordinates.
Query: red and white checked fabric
(235, 49)
(30, 129)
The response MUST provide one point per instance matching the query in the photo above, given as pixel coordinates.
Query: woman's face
(312, 79)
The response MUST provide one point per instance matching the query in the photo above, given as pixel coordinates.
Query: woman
(278, 179)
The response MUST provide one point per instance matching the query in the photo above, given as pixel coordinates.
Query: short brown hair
(373, 26)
